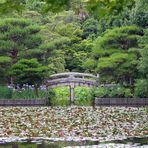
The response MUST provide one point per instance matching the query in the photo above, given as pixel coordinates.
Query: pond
(135, 142)
(74, 126)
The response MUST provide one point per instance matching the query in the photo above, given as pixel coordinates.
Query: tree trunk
(13, 55)
(36, 90)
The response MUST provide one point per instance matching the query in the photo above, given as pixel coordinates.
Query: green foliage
(7, 6)
(120, 91)
(113, 57)
(99, 7)
(143, 65)
(89, 27)
(83, 96)
(105, 7)
(29, 72)
(61, 97)
(76, 60)
(28, 94)
(57, 62)
(141, 88)
(118, 38)
(141, 85)
(139, 14)
(128, 93)
(117, 91)
(90, 64)
(101, 92)
(4, 59)
(5, 92)
(19, 39)
(51, 96)
(56, 5)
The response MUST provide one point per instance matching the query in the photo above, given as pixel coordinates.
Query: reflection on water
(126, 143)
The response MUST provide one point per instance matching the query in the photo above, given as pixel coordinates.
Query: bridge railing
(72, 77)
(73, 74)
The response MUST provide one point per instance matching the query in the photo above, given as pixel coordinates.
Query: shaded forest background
(39, 38)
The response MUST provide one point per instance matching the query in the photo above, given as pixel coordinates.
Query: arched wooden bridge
(72, 79)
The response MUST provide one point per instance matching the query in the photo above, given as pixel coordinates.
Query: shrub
(5, 92)
(61, 97)
(51, 95)
(101, 92)
(128, 93)
(141, 88)
(83, 96)
(117, 91)
(120, 91)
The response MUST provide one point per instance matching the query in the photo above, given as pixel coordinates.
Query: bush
(101, 92)
(117, 91)
(128, 93)
(5, 92)
(61, 97)
(141, 88)
(51, 95)
(83, 96)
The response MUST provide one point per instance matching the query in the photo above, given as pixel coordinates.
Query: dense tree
(7, 6)
(19, 39)
(29, 72)
(90, 28)
(114, 56)
(139, 14)
(141, 89)
(107, 7)
(99, 7)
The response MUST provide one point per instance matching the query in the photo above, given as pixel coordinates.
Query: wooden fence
(41, 102)
(121, 101)
(98, 102)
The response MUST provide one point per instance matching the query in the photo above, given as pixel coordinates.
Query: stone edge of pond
(4, 140)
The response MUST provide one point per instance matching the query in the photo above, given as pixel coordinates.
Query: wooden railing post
(72, 95)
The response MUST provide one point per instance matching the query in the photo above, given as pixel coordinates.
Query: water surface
(135, 142)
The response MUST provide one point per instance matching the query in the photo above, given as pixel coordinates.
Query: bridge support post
(97, 80)
(72, 96)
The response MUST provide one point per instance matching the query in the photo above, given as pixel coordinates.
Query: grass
(28, 94)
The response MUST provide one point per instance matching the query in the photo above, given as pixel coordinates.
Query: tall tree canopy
(114, 55)
(19, 38)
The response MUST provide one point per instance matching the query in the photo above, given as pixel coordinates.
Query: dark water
(130, 142)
